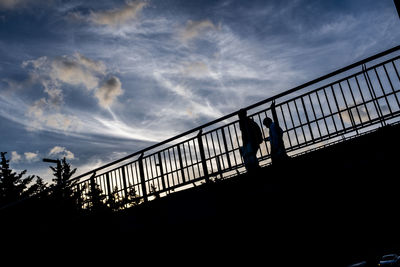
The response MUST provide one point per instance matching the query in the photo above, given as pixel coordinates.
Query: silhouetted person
(251, 138)
(278, 151)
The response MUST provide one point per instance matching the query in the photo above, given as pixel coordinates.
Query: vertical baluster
(286, 128)
(301, 123)
(391, 85)
(363, 99)
(181, 163)
(347, 107)
(338, 108)
(202, 156)
(142, 178)
(124, 181)
(373, 95)
(323, 113)
(315, 116)
(161, 171)
(383, 91)
(293, 126)
(307, 119)
(226, 148)
(330, 110)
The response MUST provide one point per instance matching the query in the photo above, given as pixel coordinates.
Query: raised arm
(274, 116)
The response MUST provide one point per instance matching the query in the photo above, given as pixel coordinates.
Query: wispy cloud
(109, 91)
(194, 29)
(61, 152)
(114, 17)
(117, 16)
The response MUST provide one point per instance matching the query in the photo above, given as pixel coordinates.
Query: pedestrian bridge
(344, 104)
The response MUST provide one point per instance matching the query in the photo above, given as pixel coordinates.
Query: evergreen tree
(132, 198)
(95, 197)
(13, 186)
(63, 173)
(63, 187)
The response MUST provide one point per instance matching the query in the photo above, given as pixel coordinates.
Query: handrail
(196, 129)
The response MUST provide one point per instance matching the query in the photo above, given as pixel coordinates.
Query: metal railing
(346, 102)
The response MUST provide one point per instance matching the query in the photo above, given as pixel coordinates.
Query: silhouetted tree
(13, 186)
(63, 173)
(114, 200)
(95, 197)
(63, 187)
(132, 198)
(153, 190)
(38, 187)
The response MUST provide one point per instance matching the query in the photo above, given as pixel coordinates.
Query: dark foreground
(331, 207)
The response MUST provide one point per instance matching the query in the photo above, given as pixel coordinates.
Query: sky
(94, 81)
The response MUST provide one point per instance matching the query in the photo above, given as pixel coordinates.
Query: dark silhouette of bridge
(334, 202)
(344, 104)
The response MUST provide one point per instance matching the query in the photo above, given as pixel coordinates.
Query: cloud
(15, 157)
(14, 4)
(95, 66)
(11, 4)
(117, 16)
(197, 69)
(30, 156)
(193, 29)
(61, 152)
(75, 70)
(72, 71)
(42, 116)
(109, 91)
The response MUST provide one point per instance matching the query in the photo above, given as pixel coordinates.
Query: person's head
(267, 122)
(242, 113)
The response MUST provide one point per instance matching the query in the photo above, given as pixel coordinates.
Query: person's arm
(274, 116)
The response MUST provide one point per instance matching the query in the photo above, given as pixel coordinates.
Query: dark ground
(331, 207)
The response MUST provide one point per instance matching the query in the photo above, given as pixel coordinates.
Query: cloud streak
(117, 16)
(194, 29)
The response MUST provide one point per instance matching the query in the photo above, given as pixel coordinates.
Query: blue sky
(96, 80)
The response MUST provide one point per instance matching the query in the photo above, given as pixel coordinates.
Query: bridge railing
(346, 102)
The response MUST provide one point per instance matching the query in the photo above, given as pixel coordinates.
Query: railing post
(124, 181)
(181, 163)
(142, 178)
(161, 171)
(373, 95)
(203, 156)
(219, 166)
(308, 120)
(226, 148)
(78, 194)
(95, 197)
(110, 193)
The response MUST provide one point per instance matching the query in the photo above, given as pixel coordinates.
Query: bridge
(335, 202)
(347, 103)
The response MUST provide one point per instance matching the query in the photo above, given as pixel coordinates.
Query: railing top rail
(290, 91)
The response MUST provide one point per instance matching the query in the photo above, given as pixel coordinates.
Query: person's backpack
(256, 132)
